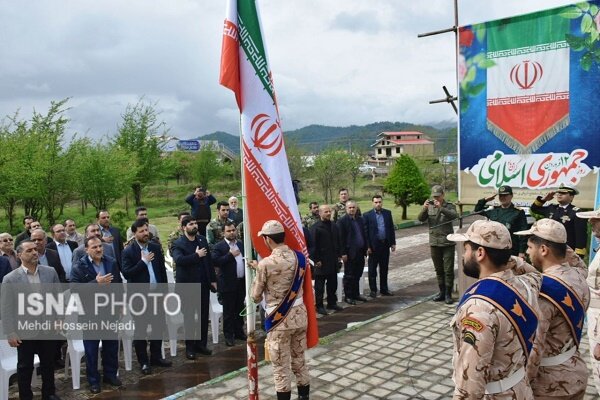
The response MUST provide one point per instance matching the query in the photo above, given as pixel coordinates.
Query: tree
(406, 183)
(141, 135)
(102, 174)
(355, 160)
(179, 165)
(295, 156)
(207, 166)
(331, 167)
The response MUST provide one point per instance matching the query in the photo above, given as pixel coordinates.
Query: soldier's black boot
(303, 392)
(284, 395)
(449, 295)
(442, 294)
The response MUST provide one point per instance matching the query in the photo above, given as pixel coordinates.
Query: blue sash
(568, 303)
(514, 307)
(279, 314)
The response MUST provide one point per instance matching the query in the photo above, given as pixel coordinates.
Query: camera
(430, 202)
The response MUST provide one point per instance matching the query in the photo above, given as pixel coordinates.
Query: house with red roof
(391, 145)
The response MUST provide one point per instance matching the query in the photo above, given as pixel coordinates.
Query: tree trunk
(137, 194)
(404, 213)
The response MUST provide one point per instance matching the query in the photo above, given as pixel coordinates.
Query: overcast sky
(334, 62)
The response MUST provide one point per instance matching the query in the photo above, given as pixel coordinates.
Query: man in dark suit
(144, 262)
(228, 257)
(326, 254)
(27, 220)
(63, 247)
(30, 272)
(110, 234)
(354, 249)
(381, 238)
(96, 268)
(194, 266)
(93, 230)
(46, 256)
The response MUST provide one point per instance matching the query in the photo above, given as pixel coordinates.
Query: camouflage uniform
(287, 341)
(567, 380)
(339, 210)
(214, 231)
(309, 220)
(173, 236)
(486, 346)
(593, 315)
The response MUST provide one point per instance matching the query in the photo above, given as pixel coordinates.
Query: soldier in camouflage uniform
(286, 341)
(566, 213)
(593, 312)
(507, 214)
(214, 230)
(489, 358)
(313, 215)
(439, 214)
(339, 208)
(556, 369)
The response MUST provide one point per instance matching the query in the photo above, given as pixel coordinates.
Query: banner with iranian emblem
(529, 88)
(269, 194)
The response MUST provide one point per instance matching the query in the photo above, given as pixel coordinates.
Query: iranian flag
(269, 194)
(528, 87)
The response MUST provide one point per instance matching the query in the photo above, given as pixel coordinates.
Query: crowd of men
(516, 331)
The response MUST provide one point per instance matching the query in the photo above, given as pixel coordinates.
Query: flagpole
(251, 349)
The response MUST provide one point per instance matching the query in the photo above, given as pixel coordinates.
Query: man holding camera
(200, 201)
(439, 215)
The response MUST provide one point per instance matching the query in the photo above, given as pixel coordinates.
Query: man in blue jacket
(96, 268)
(194, 266)
(381, 238)
(200, 202)
(228, 257)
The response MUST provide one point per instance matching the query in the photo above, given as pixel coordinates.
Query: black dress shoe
(241, 336)
(190, 355)
(161, 362)
(373, 295)
(321, 310)
(387, 293)
(361, 298)
(352, 302)
(334, 307)
(113, 381)
(95, 389)
(229, 342)
(146, 370)
(205, 351)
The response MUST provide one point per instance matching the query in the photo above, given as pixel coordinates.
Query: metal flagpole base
(252, 367)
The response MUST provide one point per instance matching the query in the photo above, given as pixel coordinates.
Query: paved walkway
(406, 354)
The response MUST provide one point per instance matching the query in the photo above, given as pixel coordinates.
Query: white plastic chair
(127, 341)
(8, 366)
(215, 313)
(340, 284)
(364, 281)
(174, 322)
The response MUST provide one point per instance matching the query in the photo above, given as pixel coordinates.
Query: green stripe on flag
(526, 30)
(252, 43)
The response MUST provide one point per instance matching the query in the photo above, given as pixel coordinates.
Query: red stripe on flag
(526, 122)
(230, 66)
(260, 191)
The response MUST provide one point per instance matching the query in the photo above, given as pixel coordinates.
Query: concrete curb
(322, 341)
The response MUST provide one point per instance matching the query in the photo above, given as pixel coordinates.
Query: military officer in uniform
(495, 321)
(566, 213)
(593, 312)
(556, 369)
(214, 230)
(276, 276)
(313, 215)
(339, 208)
(508, 214)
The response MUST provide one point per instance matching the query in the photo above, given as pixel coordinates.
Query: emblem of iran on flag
(528, 87)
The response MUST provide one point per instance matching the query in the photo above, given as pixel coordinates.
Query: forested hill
(315, 138)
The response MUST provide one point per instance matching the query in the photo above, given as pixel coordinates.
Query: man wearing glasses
(7, 249)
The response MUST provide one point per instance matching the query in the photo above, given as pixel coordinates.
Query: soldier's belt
(297, 302)
(504, 384)
(559, 359)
